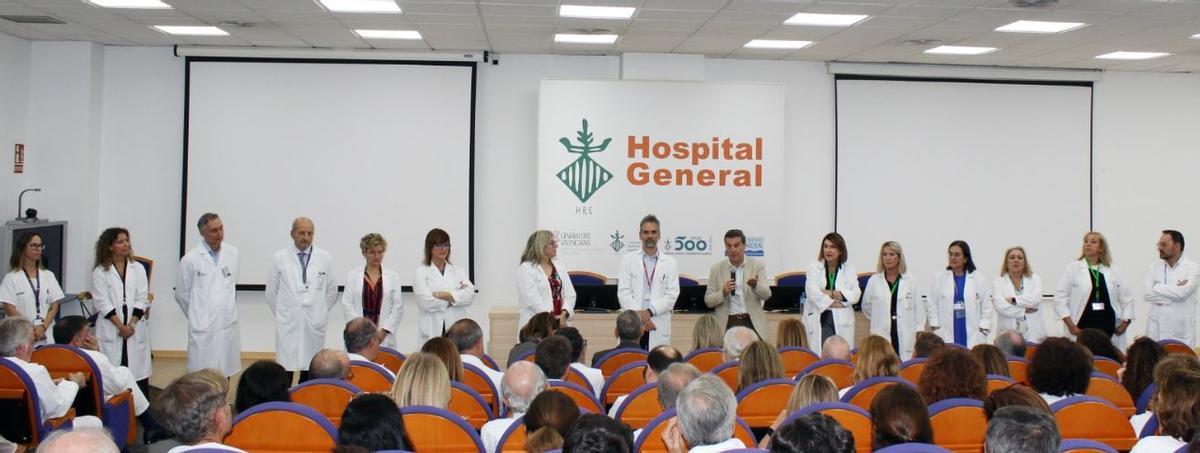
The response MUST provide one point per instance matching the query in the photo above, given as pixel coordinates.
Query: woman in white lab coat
(31, 291)
(542, 283)
(122, 300)
(958, 306)
(832, 289)
(1017, 296)
(373, 291)
(1093, 294)
(443, 290)
(891, 301)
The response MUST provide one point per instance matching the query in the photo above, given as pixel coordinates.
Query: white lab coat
(301, 309)
(818, 302)
(207, 294)
(533, 291)
(108, 294)
(436, 313)
(910, 312)
(15, 290)
(1010, 316)
(117, 379)
(1075, 288)
(939, 307)
(664, 291)
(55, 397)
(1172, 306)
(391, 309)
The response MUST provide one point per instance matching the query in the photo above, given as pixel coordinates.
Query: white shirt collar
(731, 444)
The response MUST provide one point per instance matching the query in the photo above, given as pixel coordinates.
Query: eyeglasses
(444, 245)
(37, 246)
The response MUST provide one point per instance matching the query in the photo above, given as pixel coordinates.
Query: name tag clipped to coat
(1097, 306)
(225, 271)
(960, 310)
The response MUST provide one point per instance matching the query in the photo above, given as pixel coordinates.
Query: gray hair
(835, 347)
(464, 333)
(358, 334)
(327, 364)
(15, 332)
(629, 325)
(204, 219)
(1020, 429)
(1011, 343)
(706, 411)
(736, 340)
(522, 382)
(188, 407)
(79, 440)
(673, 380)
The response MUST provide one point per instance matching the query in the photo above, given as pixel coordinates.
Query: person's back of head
(522, 382)
(812, 389)
(736, 340)
(835, 347)
(67, 327)
(361, 337)
(329, 364)
(445, 351)
(1019, 429)
(760, 361)
(466, 336)
(1060, 368)
(707, 411)
(78, 440)
(812, 433)
(899, 415)
(790, 333)
(538, 327)
(16, 334)
(1011, 343)
(372, 421)
(1099, 344)
(991, 358)
(673, 380)
(263, 381)
(422, 381)
(706, 333)
(876, 358)
(952, 373)
(1178, 404)
(596, 433)
(553, 356)
(549, 417)
(1013, 395)
(194, 407)
(659, 359)
(578, 345)
(926, 344)
(1140, 359)
(629, 326)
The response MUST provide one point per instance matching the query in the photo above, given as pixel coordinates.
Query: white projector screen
(926, 162)
(360, 147)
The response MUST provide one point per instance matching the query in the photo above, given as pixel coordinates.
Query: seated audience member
(1011, 343)
(74, 331)
(952, 373)
(1168, 365)
(707, 412)
(1060, 369)
(706, 333)
(593, 433)
(760, 361)
(1018, 429)
(467, 336)
(899, 415)
(372, 421)
(549, 417)
(1014, 395)
(791, 333)
(523, 381)
(835, 347)
(810, 389)
(594, 376)
(445, 351)
(628, 332)
(876, 358)
(422, 381)
(362, 340)
(657, 361)
(329, 364)
(926, 344)
(991, 358)
(812, 433)
(55, 395)
(194, 408)
(1140, 359)
(553, 357)
(1099, 344)
(78, 440)
(263, 381)
(1178, 410)
(672, 382)
(736, 340)
(540, 326)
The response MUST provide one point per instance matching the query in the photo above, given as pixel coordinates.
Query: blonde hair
(876, 358)
(706, 333)
(1004, 263)
(791, 332)
(812, 389)
(535, 247)
(372, 240)
(1105, 257)
(422, 381)
(759, 362)
(895, 247)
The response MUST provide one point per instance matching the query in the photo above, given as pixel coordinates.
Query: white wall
(14, 113)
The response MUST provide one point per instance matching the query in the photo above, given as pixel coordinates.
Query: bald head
(329, 364)
(79, 440)
(737, 339)
(302, 232)
(835, 347)
(522, 382)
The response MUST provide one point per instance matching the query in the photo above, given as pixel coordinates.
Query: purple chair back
(913, 447)
(1144, 399)
(600, 361)
(1150, 428)
(452, 417)
(634, 394)
(31, 397)
(859, 387)
(508, 432)
(951, 403)
(377, 367)
(491, 363)
(302, 410)
(1077, 399)
(487, 407)
(334, 382)
(1069, 445)
(698, 351)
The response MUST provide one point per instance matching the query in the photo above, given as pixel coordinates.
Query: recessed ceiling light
(1037, 26)
(193, 30)
(576, 38)
(777, 44)
(961, 50)
(596, 12)
(1195, 36)
(1123, 55)
(141, 4)
(361, 6)
(388, 34)
(826, 20)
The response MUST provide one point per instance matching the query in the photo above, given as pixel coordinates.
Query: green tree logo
(584, 176)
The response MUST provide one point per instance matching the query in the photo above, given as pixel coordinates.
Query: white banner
(703, 157)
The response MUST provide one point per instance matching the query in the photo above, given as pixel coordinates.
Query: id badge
(1097, 306)
(960, 310)
(225, 271)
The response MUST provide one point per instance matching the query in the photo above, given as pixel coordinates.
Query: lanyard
(894, 285)
(1095, 271)
(124, 295)
(831, 278)
(37, 293)
(649, 273)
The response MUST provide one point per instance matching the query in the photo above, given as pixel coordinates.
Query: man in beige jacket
(737, 287)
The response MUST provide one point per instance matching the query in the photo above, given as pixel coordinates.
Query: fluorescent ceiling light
(1037, 26)
(596, 12)
(576, 38)
(826, 20)
(1122, 55)
(141, 4)
(1196, 36)
(203, 30)
(361, 6)
(961, 50)
(388, 34)
(777, 44)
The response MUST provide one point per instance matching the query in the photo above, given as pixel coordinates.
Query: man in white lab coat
(1171, 291)
(55, 395)
(206, 290)
(300, 291)
(648, 283)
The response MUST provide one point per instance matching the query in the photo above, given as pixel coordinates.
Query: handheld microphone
(733, 278)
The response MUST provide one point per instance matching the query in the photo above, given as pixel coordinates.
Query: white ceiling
(716, 28)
